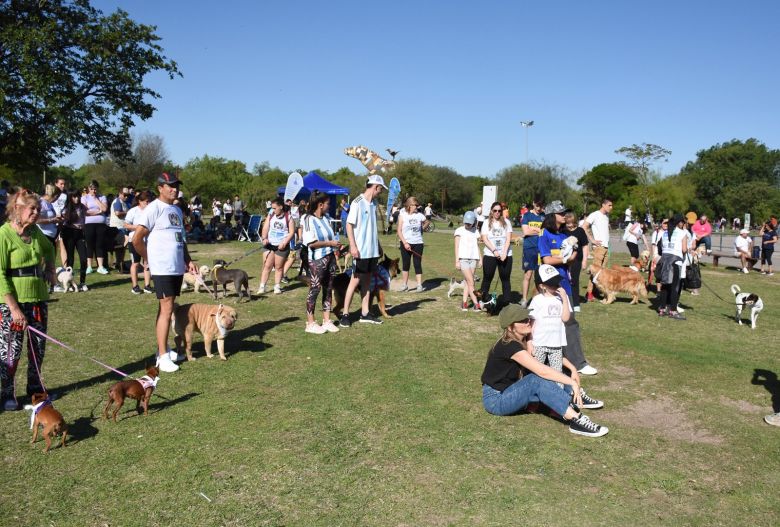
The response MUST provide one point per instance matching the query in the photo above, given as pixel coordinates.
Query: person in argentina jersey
(364, 247)
(322, 243)
(159, 240)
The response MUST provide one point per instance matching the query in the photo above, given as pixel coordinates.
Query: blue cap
(470, 218)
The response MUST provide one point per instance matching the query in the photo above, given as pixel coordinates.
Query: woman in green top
(26, 265)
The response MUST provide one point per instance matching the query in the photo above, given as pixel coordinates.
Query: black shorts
(167, 285)
(364, 265)
(134, 256)
(633, 248)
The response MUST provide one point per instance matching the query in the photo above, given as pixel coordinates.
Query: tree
(71, 76)
(640, 158)
(519, 184)
(607, 180)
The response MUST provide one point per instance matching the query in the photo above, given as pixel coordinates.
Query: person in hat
(743, 248)
(513, 379)
(550, 310)
(159, 240)
(551, 243)
(468, 258)
(364, 248)
(674, 246)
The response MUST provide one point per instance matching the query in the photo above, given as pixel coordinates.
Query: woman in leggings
(72, 234)
(410, 228)
(322, 243)
(673, 249)
(95, 226)
(497, 237)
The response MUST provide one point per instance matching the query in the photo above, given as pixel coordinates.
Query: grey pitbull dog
(224, 276)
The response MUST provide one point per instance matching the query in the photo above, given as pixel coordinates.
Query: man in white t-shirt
(596, 226)
(743, 248)
(628, 216)
(159, 240)
(364, 248)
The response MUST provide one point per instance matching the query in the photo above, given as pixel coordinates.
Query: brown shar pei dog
(213, 322)
(618, 280)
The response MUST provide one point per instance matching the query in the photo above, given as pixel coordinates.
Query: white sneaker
(58, 289)
(745, 270)
(102, 270)
(89, 270)
(277, 289)
(83, 287)
(588, 370)
(576, 309)
(315, 328)
(165, 363)
(330, 326)
(261, 289)
(175, 357)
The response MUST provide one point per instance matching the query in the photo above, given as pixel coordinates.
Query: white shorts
(468, 263)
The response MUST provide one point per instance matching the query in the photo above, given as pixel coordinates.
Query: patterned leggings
(37, 314)
(553, 357)
(321, 272)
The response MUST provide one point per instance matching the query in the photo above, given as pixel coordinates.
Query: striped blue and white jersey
(362, 217)
(317, 230)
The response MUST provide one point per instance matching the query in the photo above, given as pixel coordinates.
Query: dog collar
(220, 327)
(37, 408)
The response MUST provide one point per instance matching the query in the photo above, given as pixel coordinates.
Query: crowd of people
(539, 357)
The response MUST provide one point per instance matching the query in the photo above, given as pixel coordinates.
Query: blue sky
(295, 82)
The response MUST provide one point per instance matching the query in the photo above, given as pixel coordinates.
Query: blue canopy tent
(313, 181)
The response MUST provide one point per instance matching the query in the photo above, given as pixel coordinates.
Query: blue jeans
(530, 389)
(707, 241)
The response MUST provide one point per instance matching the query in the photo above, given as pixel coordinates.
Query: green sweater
(14, 253)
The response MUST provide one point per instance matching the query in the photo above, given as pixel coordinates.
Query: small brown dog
(612, 281)
(44, 414)
(213, 322)
(138, 389)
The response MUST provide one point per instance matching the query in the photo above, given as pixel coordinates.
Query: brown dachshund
(138, 389)
(44, 414)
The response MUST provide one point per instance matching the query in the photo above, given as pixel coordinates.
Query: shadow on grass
(406, 307)
(125, 280)
(81, 429)
(433, 283)
(154, 407)
(768, 379)
(256, 330)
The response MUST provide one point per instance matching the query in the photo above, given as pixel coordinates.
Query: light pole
(526, 125)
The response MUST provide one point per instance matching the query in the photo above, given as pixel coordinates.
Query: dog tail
(735, 289)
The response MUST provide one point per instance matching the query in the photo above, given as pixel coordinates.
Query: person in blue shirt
(768, 240)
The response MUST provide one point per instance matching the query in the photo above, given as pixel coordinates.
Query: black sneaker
(589, 402)
(583, 426)
(369, 319)
(344, 321)
(136, 290)
(285, 280)
(148, 290)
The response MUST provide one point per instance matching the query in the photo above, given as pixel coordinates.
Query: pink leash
(48, 337)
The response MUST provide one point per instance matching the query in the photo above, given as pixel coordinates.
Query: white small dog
(747, 299)
(193, 282)
(455, 285)
(65, 278)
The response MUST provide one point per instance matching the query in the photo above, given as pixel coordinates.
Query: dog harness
(37, 408)
(148, 382)
(596, 276)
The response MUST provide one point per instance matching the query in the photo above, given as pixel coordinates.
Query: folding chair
(251, 233)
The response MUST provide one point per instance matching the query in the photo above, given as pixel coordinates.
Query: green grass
(383, 425)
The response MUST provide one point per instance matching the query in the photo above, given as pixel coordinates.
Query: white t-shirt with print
(599, 225)
(468, 247)
(497, 234)
(165, 242)
(634, 232)
(362, 217)
(278, 228)
(411, 226)
(549, 330)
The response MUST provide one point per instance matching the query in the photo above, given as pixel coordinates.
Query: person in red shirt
(702, 229)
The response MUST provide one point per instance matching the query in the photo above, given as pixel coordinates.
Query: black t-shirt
(582, 240)
(500, 370)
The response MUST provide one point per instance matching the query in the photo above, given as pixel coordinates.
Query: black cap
(168, 179)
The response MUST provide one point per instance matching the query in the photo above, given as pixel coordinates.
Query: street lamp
(526, 125)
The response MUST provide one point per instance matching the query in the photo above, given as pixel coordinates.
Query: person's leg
(268, 263)
(63, 253)
(89, 240)
(417, 259)
(163, 323)
(365, 293)
(769, 260)
(574, 271)
(37, 317)
(469, 288)
(531, 388)
(573, 348)
(134, 274)
(505, 274)
(406, 258)
(353, 285)
(100, 248)
(10, 351)
(81, 248)
(674, 289)
(488, 272)
(317, 271)
(526, 284)
(327, 287)
(279, 262)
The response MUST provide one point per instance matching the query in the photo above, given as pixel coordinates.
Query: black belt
(31, 270)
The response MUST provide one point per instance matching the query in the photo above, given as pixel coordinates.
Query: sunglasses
(496, 210)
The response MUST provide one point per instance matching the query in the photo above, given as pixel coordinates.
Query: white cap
(376, 179)
(744, 231)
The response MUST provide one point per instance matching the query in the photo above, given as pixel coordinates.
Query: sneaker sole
(592, 406)
(376, 322)
(602, 432)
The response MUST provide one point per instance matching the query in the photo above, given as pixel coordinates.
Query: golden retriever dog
(213, 322)
(618, 280)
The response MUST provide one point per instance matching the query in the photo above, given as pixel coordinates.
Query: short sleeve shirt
(531, 219)
(165, 242)
(599, 224)
(412, 226)
(468, 247)
(497, 234)
(362, 217)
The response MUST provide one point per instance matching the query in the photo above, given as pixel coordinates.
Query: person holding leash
(159, 241)
(24, 291)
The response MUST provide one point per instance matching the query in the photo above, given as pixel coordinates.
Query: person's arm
(566, 309)
(353, 250)
(530, 231)
(589, 234)
(266, 227)
(139, 241)
(508, 241)
(191, 267)
(457, 245)
(486, 241)
(527, 361)
(569, 366)
(400, 232)
(102, 204)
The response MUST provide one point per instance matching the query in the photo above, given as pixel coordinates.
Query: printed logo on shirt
(173, 219)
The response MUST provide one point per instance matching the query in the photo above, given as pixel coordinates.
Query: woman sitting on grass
(513, 378)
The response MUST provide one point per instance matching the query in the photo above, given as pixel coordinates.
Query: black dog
(223, 276)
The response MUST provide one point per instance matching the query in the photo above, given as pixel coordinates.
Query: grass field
(383, 425)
